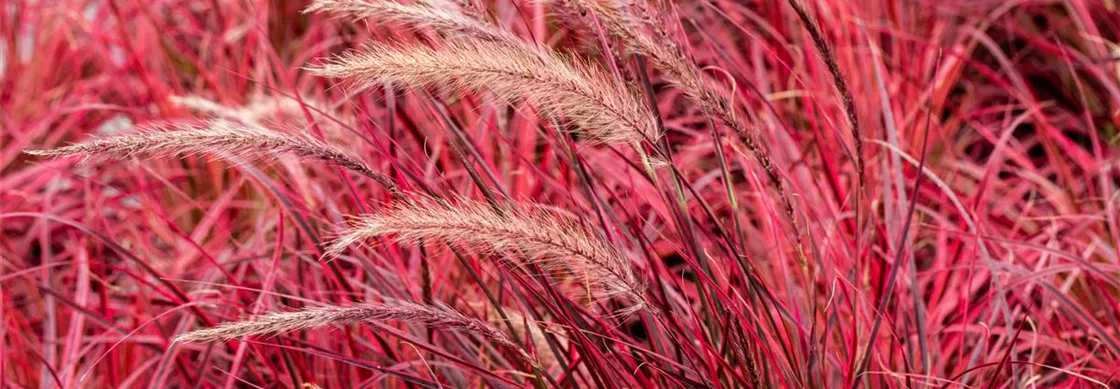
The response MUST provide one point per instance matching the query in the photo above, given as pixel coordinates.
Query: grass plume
(443, 17)
(594, 104)
(838, 79)
(284, 322)
(263, 110)
(215, 137)
(647, 34)
(553, 241)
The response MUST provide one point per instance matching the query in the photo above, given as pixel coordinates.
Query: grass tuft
(559, 194)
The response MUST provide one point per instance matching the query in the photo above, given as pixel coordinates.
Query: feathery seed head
(596, 105)
(285, 322)
(441, 16)
(215, 137)
(551, 241)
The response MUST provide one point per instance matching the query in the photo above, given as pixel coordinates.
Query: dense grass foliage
(559, 193)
